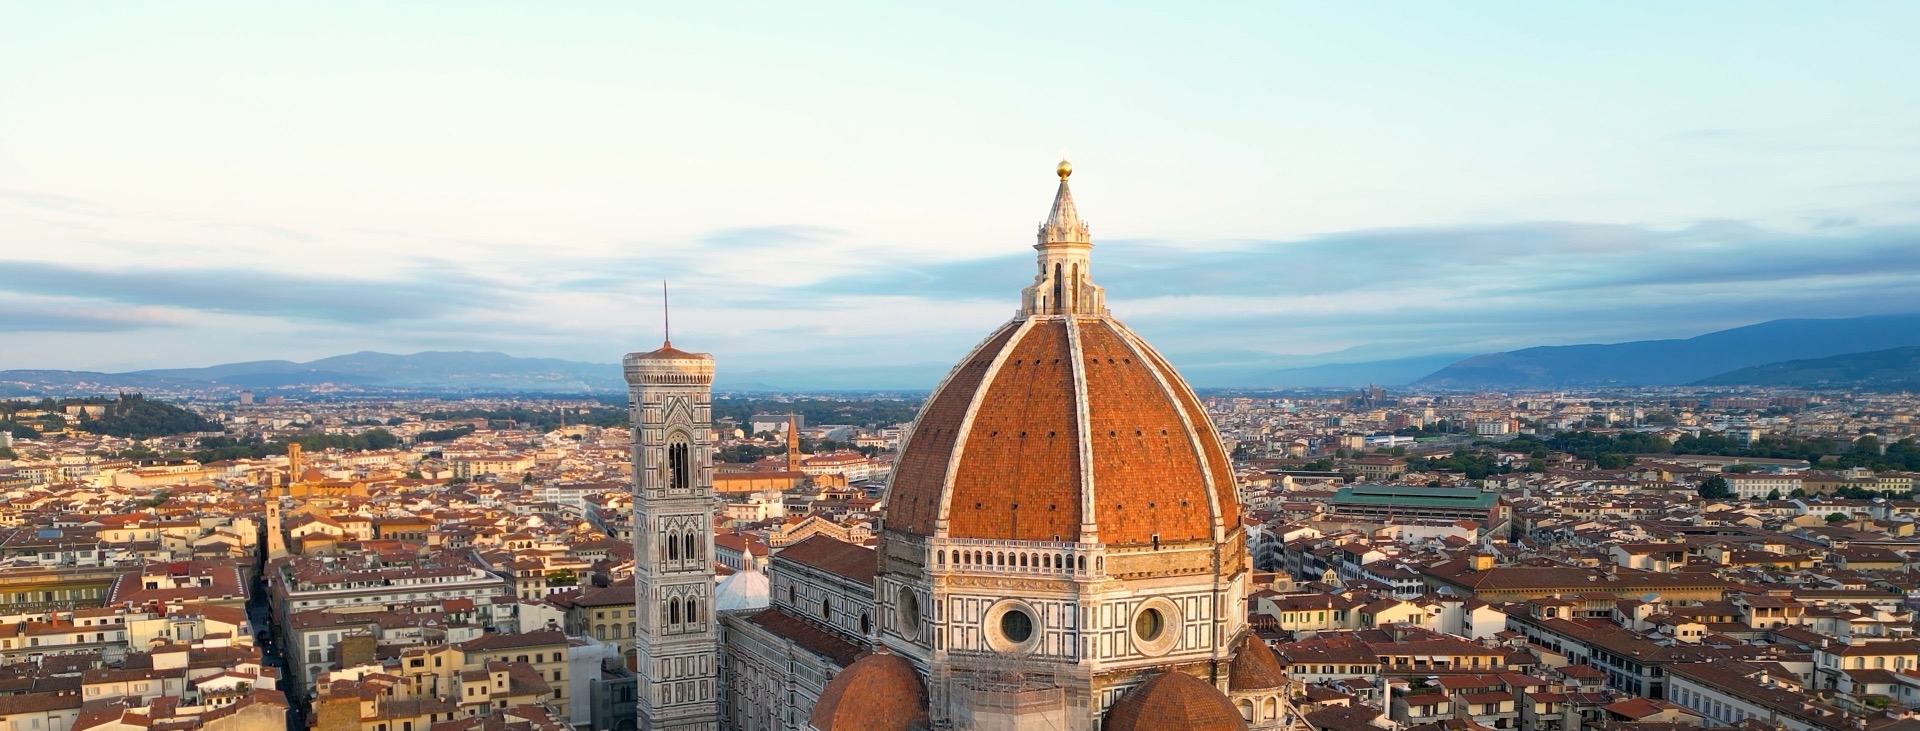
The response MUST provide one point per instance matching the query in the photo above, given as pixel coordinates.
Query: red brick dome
(1057, 426)
(1063, 425)
(878, 692)
(1174, 701)
(1255, 666)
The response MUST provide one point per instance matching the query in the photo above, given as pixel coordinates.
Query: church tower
(669, 397)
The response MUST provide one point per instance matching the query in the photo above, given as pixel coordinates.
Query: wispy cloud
(256, 292)
(811, 297)
(18, 317)
(1528, 258)
(766, 237)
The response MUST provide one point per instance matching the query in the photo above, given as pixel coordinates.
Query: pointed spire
(1063, 222)
(1064, 285)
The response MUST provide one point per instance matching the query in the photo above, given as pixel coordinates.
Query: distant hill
(1395, 372)
(1677, 362)
(138, 417)
(432, 371)
(1893, 369)
(438, 370)
(128, 415)
(451, 372)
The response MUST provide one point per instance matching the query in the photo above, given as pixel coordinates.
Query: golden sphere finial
(1065, 169)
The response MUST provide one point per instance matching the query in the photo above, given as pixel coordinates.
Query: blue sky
(845, 185)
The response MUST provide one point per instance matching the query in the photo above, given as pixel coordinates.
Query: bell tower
(669, 398)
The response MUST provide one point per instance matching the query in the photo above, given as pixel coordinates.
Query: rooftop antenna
(666, 314)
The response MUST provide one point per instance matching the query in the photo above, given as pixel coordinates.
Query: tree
(1715, 488)
(379, 439)
(1836, 517)
(139, 450)
(1775, 495)
(1741, 469)
(1613, 461)
(133, 415)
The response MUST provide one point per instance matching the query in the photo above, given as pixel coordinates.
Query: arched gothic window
(679, 468)
(686, 548)
(1056, 287)
(673, 612)
(673, 548)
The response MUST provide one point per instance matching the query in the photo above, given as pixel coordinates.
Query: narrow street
(268, 638)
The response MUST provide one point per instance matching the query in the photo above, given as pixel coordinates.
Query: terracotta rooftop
(833, 556)
(1173, 701)
(1040, 434)
(1255, 666)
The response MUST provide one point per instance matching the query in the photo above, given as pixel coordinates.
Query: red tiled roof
(814, 639)
(1042, 428)
(879, 692)
(1173, 701)
(833, 556)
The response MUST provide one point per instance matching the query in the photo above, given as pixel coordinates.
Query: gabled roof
(833, 556)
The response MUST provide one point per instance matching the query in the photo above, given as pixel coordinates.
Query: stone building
(1061, 548)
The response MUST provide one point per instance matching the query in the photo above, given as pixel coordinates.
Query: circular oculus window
(1155, 626)
(1012, 626)
(1149, 623)
(1016, 625)
(906, 607)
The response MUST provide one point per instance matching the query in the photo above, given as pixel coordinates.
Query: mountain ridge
(1634, 363)
(1681, 361)
(1890, 369)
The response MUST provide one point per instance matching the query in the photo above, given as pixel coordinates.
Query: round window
(1149, 624)
(1016, 625)
(906, 607)
(1156, 626)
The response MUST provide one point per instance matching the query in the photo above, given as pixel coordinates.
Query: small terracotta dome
(878, 692)
(1255, 666)
(1174, 701)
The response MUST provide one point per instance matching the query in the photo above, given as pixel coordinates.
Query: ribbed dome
(878, 692)
(1064, 426)
(1255, 666)
(1174, 701)
(743, 590)
(1057, 427)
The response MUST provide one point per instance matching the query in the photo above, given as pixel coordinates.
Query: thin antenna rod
(666, 313)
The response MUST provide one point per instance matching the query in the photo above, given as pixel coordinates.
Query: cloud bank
(805, 297)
